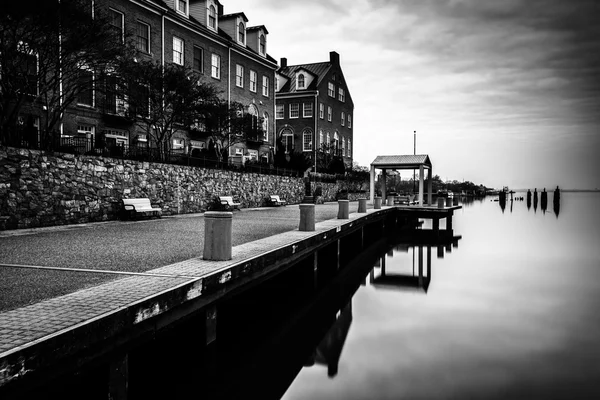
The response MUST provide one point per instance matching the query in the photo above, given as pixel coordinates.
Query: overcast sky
(500, 92)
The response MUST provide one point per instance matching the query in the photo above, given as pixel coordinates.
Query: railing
(139, 152)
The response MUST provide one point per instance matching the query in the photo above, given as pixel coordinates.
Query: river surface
(511, 311)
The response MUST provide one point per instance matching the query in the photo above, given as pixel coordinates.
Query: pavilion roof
(402, 161)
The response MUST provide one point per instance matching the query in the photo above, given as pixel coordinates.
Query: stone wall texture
(38, 189)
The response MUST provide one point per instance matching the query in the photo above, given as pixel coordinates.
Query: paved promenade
(61, 260)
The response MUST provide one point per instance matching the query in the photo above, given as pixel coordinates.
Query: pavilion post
(430, 187)
(421, 173)
(372, 186)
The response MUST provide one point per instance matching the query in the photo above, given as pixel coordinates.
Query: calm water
(513, 311)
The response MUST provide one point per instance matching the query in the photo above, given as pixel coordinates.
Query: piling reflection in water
(556, 201)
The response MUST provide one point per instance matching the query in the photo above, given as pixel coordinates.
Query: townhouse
(196, 33)
(314, 109)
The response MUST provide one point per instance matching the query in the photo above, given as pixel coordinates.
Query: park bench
(274, 200)
(142, 206)
(228, 203)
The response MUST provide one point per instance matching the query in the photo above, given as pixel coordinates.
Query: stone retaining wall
(39, 189)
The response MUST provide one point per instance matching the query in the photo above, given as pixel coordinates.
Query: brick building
(196, 33)
(314, 109)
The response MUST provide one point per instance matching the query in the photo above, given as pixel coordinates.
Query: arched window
(241, 33)
(349, 148)
(265, 126)
(253, 112)
(262, 45)
(307, 140)
(212, 17)
(287, 138)
(328, 143)
(343, 146)
(300, 81)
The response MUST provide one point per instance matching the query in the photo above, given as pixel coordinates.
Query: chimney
(283, 62)
(334, 58)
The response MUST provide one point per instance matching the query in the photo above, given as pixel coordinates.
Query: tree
(51, 53)
(164, 99)
(227, 124)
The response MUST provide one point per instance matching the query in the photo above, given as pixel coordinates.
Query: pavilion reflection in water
(382, 277)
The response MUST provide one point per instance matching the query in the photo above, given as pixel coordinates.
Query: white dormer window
(241, 33)
(182, 6)
(301, 82)
(212, 17)
(262, 45)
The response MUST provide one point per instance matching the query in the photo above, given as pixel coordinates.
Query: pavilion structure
(406, 162)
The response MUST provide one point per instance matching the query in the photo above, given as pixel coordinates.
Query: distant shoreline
(562, 190)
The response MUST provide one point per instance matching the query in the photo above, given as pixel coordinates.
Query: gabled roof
(257, 27)
(402, 161)
(317, 69)
(234, 15)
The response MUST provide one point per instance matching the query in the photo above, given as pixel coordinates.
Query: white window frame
(241, 36)
(211, 15)
(279, 111)
(294, 110)
(122, 23)
(321, 110)
(186, 10)
(343, 118)
(265, 86)
(349, 148)
(349, 121)
(343, 146)
(329, 113)
(328, 141)
(253, 79)
(265, 126)
(307, 110)
(215, 66)
(321, 139)
(331, 89)
(239, 75)
(307, 146)
(341, 95)
(262, 44)
(178, 50)
(147, 49)
(178, 143)
(301, 79)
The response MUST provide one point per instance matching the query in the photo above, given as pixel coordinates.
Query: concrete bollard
(344, 209)
(217, 235)
(377, 205)
(390, 201)
(455, 201)
(448, 201)
(441, 202)
(362, 205)
(307, 218)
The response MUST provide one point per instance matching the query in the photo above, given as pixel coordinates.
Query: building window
(327, 142)
(178, 50)
(343, 118)
(279, 111)
(182, 6)
(143, 37)
(178, 144)
(265, 127)
(86, 85)
(253, 78)
(341, 94)
(117, 22)
(321, 110)
(308, 110)
(85, 130)
(321, 139)
(329, 113)
(241, 33)
(140, 97)
(331, 90)
(239, 75)
(349, 121)
(306, 140)
(198, 59)
(336, 143)
(262, 45)
(294, 110)
(28, 63)
(212, 17)
(265, 87)
(343, 146)
(349, 148)
(300, 81)
(216, 66)
(287, 139)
